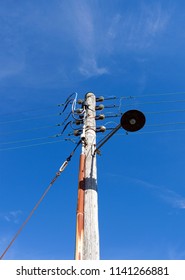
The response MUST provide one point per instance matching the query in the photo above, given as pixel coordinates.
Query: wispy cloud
(12, 52)
(11, 216)
(3, 240)
(137, 30)
(176, 253)
(90, 68)
(173, 198)
(86, 37)
(169, 196)
(11, 66)
(76, 38)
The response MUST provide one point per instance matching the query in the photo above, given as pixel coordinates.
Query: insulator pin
(80, 101)
(100, 107)
(77, 132)
(100, 99)
(100, 117)
(78, 122)
(101, 129)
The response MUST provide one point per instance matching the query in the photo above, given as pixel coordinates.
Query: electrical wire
(69, 100)
(158, 112)
(165, 124)
(30, 139)
(150, 132)
(25, 140)
(156, 102)
(149, 103)
(161, 94)
(62, 168)
(166, 112)
(110, 123)
(33, 118)
(144, 132)
(150, 95)
(30, 215)
(31, 129)
(73, 108)
(106, 98)
(38, 109)
(66, 118)
(65, 104)
(33, 145)
(32, 110)
(161, 131)
(28, 130)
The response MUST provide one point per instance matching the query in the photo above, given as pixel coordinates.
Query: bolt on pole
(91, 229)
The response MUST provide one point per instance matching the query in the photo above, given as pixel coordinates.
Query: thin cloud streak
(129, 32)
(11, 216)
(87, 40)
(171, 197)
(176, 253)
(90, 68)
(174, 199)
(73, 26)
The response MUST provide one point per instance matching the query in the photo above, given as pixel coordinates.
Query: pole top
(89, 94)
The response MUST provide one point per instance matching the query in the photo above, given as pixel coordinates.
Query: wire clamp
(98, 152)
(63, 166)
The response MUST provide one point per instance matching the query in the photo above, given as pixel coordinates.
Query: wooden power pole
(87, 232)
(80, 210)
(91, 230)
(87, 237)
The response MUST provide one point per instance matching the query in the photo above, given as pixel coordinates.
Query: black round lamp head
(133, 120)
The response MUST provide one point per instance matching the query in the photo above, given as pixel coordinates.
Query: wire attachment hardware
(63, 166)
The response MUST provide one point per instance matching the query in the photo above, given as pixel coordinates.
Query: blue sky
(50, 49)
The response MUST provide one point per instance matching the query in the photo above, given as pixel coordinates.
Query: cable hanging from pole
(61, 169)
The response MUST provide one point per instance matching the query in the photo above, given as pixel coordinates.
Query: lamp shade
(133, 120)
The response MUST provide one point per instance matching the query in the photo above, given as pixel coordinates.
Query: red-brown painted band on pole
(80, 210)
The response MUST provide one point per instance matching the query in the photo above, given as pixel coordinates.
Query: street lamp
(132, 120)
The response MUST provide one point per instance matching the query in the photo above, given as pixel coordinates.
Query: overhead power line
(38, 109)
(32, 145)
(32, 110)
(31, 129)
(165, 124)
(166, 112)
(106, 98)
(32, 118)
(68, 101)
(155, 102)
(25, 140)
(87, 132)
(61, 169)
(151, 95)
(27, 130)
(151, 132)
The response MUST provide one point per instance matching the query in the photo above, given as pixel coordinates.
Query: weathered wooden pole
(91, 230)
(80, 211)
